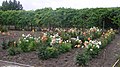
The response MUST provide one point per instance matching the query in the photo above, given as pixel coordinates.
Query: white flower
(27, 40)
(29, 35)
(24, 38)
(23, 35)
(94, 27)
(93, 45)
(86, 42)
(97, 46)
(93, 42)
(99, 43)
(98, 30)
(90, 41)
(45, 34)
(39, 37)
(73, 38)
(77, 37)
(67, 41)
(91, 49)
(82, 47)
(90, 28)
(51, 36)
(58, 39)
(56, 35)
(51, 43)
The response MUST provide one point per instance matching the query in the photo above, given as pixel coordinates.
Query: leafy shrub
(32, 46)
(23, 46)
(41, 52)
(82, 59)
(52, 52)
(28, 43)
(93, 48)
(73, 42)
(14, 50)
(93, 53)
(4, 45)
(7, 44)
(4, 29)
(73, 34)
(65, 36)
(65, 47)
(47, 52)
(47, 42)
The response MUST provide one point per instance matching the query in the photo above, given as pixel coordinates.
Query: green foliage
(32, 46)
(47, 52)
(65, 47)
(15, 5)
(4, 29)
(82, 59)
(94, 52)
(13, 51)
(4, 45)
(62, 17)
(23, 46)
(65, 36)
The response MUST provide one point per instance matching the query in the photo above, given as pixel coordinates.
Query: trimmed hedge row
(62, 17)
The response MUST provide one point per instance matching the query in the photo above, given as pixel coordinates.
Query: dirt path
(108, 56)
(64, 60)
(12, 64)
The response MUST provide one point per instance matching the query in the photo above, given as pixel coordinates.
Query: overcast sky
(78, 4)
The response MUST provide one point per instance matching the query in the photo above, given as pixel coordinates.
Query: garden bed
(31, 58)
(105, 56)
(108, 55)
(64, 60)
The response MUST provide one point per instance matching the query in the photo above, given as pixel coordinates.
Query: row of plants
(61, 17)
(93, 47)
(52, 44)
(3, 29)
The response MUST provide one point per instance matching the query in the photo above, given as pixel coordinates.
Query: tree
(15, 5)
(0, 7)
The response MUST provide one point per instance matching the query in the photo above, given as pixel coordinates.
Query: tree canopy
(62, 17)
(11, 5)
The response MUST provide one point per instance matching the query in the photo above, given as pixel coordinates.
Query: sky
(77, 4)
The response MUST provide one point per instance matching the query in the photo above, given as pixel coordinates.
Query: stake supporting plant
(116, 63)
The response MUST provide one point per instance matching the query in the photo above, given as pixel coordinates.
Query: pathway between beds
(108, 56)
